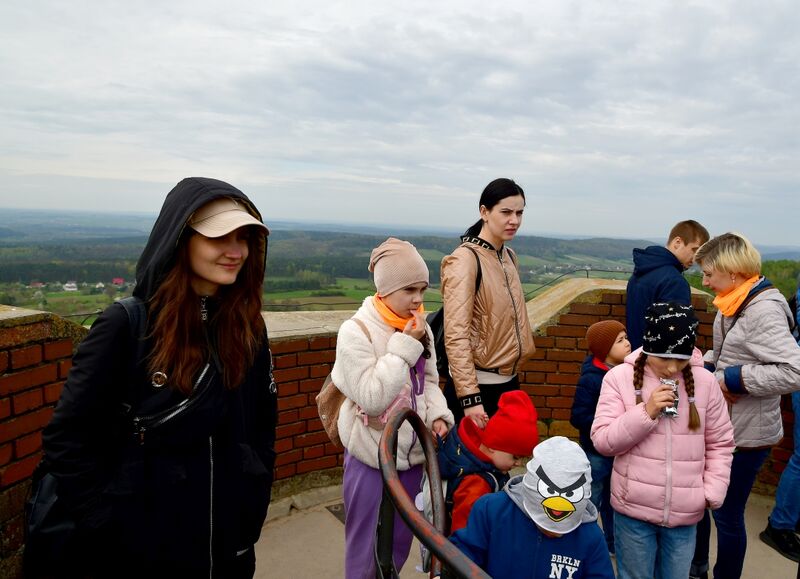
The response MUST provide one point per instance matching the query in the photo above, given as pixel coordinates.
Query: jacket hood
(514, 489)
(456, 460)
(764, 291)
(653, 257)
(695, 360)
(185, 198)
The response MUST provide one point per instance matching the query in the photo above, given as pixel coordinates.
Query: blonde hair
(730, 253)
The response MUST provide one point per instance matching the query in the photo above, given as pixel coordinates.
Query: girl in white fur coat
(388, 362)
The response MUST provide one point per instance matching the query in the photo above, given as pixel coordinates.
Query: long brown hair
(688, 381)
(180, 347)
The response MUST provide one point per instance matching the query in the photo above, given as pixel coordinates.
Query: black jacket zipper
(143, 423)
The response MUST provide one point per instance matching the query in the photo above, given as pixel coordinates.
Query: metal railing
(395, 497)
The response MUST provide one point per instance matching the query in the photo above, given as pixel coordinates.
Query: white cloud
(359, 110)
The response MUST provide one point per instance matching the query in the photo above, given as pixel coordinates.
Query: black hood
(185, 198)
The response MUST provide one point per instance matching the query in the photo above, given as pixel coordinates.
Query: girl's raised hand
(415, 327)
(661, 397)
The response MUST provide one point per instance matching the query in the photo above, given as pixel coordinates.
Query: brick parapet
(36, 351)
(301, 365)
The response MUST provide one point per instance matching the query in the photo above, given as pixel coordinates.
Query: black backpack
(51, 532)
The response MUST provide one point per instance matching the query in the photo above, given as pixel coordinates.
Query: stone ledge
(11, 316)
(547, 305)
(544, 308)
(19, 325)
(284, 325)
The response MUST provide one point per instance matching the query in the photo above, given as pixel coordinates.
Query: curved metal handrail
(395, 497)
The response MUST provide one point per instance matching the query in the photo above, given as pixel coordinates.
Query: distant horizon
(282, 224)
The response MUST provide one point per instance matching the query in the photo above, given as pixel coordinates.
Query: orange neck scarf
(389, 316)
(728, 303)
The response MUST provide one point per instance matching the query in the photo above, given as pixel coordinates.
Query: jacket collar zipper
(203, 310)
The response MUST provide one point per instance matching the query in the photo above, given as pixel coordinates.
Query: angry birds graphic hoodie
(543, 524)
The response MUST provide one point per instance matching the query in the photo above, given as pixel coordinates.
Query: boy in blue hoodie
(608, 345)
(543, 524)
(658, 275)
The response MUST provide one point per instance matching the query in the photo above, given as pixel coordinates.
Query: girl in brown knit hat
(385, 359)
(608, 345)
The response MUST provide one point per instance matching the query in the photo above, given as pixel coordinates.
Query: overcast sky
(618, 118)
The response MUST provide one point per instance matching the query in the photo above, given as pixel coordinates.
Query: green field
(352, 292)
(82, 306)
(345, 294)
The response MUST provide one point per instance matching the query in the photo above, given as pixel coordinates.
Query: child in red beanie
(476, 461)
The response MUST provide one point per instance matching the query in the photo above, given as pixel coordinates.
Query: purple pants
(363, 491)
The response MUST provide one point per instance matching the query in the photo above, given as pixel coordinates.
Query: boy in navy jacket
(658, 275)
(543, 524)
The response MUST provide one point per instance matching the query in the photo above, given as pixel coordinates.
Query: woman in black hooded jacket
(162, 444)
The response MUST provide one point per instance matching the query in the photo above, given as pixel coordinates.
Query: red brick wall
(34, 362)
(301, 366)
(35, 356)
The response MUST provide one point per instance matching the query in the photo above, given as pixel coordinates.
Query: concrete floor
(304, 539)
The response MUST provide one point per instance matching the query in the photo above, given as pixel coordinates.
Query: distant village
(117, 283)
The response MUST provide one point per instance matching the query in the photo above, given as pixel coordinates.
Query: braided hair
(638, 375)
(688, 381)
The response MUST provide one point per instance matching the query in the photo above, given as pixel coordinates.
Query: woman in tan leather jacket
(487, 333)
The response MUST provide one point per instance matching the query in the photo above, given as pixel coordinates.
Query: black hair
(494, 192)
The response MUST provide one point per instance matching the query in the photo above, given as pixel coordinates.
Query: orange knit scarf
(729, 302)
(389, 316)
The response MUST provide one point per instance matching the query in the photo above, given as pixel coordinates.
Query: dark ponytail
(475, 229)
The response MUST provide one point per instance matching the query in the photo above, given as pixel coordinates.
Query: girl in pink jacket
(662, 416)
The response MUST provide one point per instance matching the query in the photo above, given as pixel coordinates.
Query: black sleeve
(265, 410)
(79, 443)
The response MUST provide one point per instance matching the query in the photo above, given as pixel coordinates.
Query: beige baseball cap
(221, 216)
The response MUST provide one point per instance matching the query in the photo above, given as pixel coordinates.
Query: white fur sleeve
(369, 380)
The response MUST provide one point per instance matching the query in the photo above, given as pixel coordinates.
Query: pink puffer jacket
(664, 473)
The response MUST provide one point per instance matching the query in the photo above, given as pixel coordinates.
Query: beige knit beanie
(396, 264)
